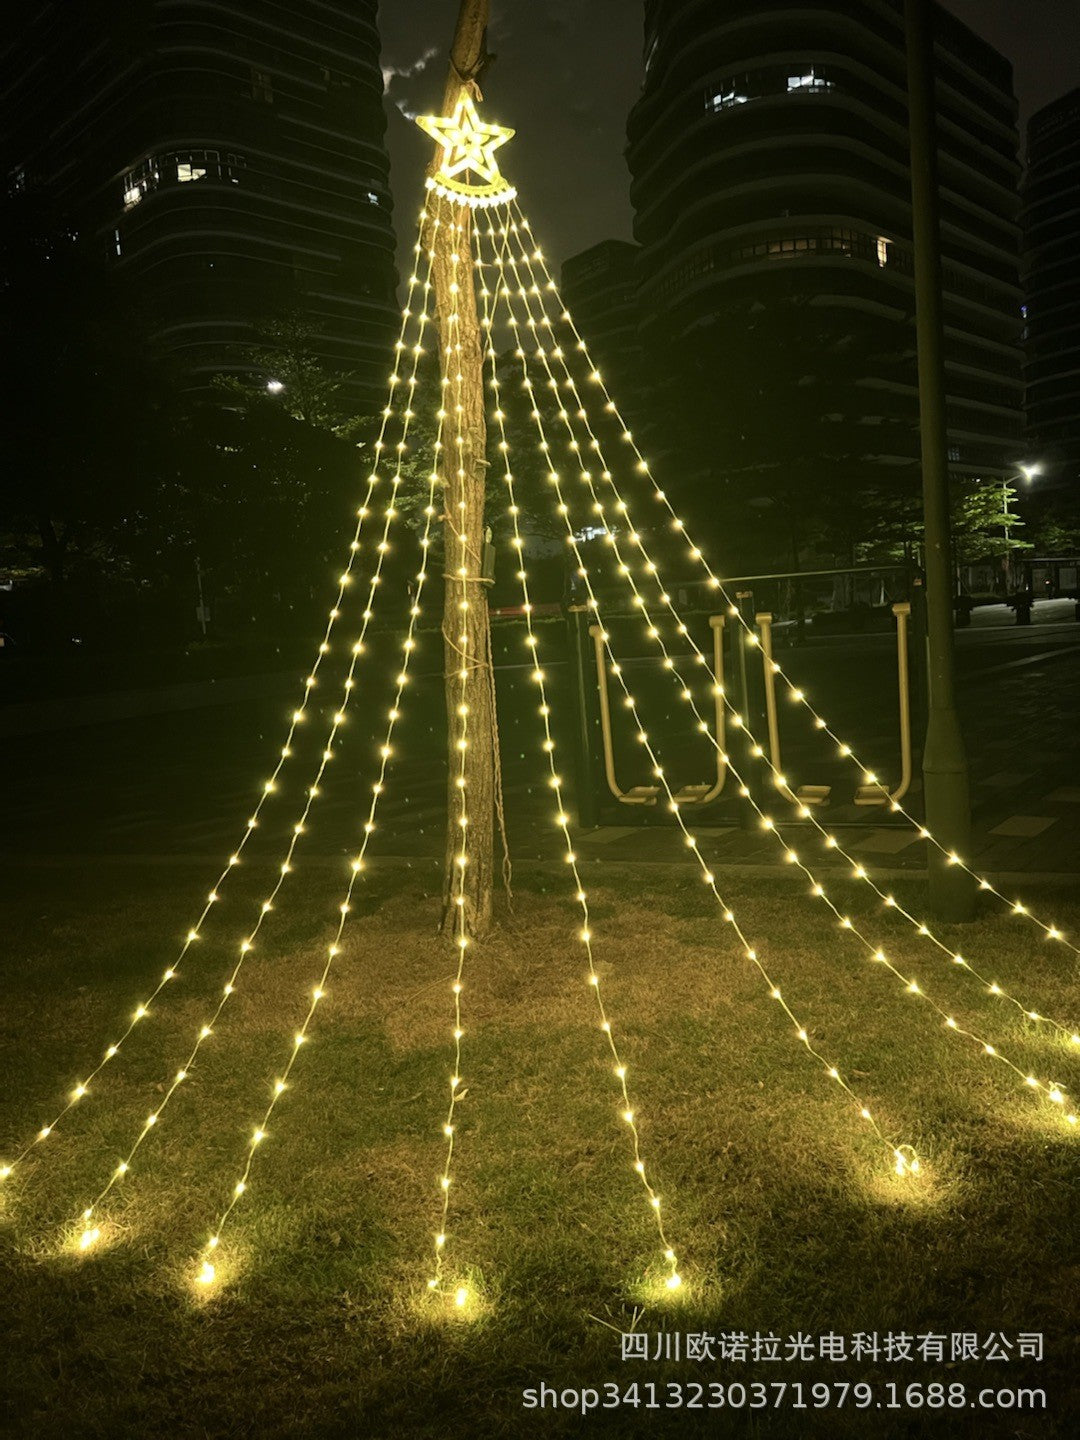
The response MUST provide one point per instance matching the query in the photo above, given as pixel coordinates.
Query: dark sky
(568, 72)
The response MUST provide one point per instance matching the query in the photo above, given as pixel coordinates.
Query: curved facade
(229, 154)
(1052, 241)
(770, 180)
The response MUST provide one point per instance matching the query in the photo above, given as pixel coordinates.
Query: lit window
(725, 98)
(116, 242)
(373, 199)
(809, 81)
(140, 181)
(883, 251)
(185, 170)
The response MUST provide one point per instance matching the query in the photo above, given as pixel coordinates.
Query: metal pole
(750, 704)
(945, 770)
(585, 717)
(1008, 554)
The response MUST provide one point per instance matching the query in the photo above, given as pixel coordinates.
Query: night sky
(568, 72)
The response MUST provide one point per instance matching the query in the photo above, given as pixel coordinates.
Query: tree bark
(466, 632)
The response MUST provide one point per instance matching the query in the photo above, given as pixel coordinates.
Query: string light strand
(1051, 1090)
(83, 1088)
(903, 1157)
(461, 859)
(796, 693)
(247, 945)
(627, 1109)
(207, 1272)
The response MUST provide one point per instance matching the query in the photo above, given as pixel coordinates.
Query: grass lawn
(781, 1203)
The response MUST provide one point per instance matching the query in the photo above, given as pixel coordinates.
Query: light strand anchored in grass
(466, 566)
(247, 945)
(796, 693)
(562, 819)
(902, 1161)
(207, 1271)
(83, 1087)
(1052, 1091)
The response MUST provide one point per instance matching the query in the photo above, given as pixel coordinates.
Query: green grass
(781, 1203)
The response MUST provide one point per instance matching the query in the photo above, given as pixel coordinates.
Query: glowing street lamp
(275, 387)
(1028, 473)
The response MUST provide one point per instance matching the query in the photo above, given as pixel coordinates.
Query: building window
(140, 181)
(833, 241)
(262, 86)
(182, 167)
(761, 84)
(954, 454)
(116, 242)
(809, 82)
(729, 93)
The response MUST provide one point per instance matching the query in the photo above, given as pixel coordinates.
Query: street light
(1027, 473)
(275, 387)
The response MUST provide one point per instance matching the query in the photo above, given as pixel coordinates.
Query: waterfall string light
(206, 1030)
(468, 149)
(903, 1157)
(795, 693)
(461, 860)
(208, 1271)
(1051, 1090)
(83, 1087)
(627, 1110)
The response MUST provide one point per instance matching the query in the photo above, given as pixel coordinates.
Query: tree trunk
(466, 632)
(53, 551)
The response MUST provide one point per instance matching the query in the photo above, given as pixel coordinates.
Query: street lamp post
(1027, 474)
(945, 770)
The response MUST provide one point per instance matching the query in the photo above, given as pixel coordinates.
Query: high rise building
(229, 155)
(770, 185)
(600, 286)
(1052, 244)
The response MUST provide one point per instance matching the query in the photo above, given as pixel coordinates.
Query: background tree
(466, 627)
(287, 374)
(1054, 521)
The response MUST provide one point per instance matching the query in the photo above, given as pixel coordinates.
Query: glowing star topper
(468, 149)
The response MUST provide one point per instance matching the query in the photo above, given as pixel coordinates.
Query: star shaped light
(468, 148)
